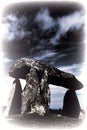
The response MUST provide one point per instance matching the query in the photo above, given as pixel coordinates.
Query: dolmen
(35, 97)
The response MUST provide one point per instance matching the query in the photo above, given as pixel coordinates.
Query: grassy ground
(51, 120)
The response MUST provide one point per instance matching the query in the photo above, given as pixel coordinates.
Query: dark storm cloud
(15, 27)
(46, 32)
(73, 21)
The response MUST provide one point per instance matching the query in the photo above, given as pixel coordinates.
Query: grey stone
(55, 76)
(14, 101)
(71, 106)
(36, 94)
(38, 76)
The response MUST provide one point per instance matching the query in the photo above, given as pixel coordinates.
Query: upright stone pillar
(35, 96)
(71, 106)
(14, 100)
(30, 91)
(45, 90)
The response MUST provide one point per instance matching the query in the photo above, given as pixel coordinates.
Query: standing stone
(29, 93)
(71, 106)
(45, 90)
(35, 96)
(14, 100)
(42, 101)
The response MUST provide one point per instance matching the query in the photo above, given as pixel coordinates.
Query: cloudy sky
(46, 32)
(51, 33)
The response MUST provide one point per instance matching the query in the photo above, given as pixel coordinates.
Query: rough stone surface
(55, 76)
(14, 100)
(36, 94)
(71, 106)
(29, 93)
